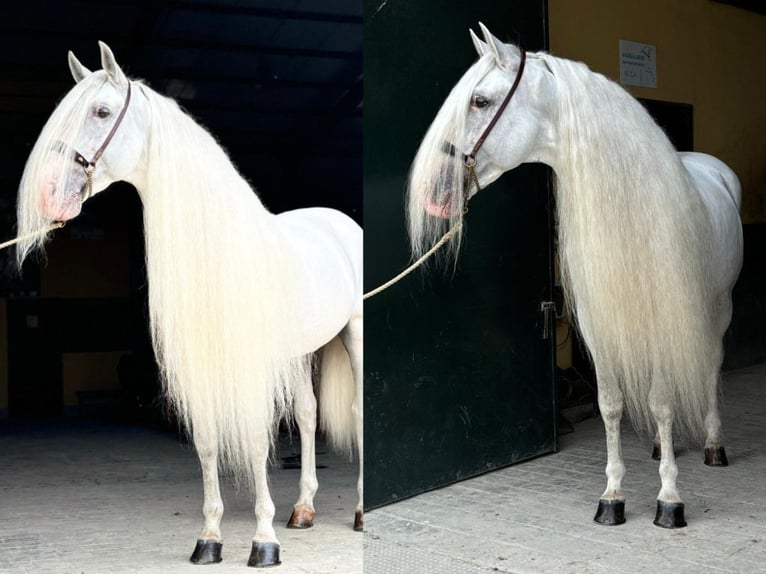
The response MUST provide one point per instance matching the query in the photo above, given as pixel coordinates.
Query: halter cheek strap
(470, 160)
(90, 166)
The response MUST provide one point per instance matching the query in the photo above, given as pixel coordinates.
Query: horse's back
(721, 193)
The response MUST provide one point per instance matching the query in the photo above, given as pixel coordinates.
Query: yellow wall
(709, 55)
(88, 372)
(84, 269)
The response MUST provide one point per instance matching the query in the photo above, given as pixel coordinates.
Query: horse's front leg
(305, 412)
(670, 508)
(611, 505)
(210, 543)
(265, 550)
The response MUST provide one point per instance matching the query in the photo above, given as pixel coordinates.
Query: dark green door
(458, 377)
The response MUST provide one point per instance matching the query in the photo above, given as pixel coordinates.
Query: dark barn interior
(279, 84)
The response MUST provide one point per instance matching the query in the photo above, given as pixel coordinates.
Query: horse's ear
(507, 55)
(79, 72)
(481, 47)
(109, 64)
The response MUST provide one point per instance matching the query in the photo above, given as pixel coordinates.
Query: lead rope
(436, 246)
(52, 227)
(446, 237)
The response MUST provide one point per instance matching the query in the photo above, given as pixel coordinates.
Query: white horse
(239, 298)
(650, 239)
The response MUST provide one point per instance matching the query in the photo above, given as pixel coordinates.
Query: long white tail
(336, 395)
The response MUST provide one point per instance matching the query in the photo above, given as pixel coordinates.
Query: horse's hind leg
(611, 505)
(210, 543)
(353, 341)
(670, 508)
(265, 550)
(656, 447)
(305, 409)
(715, 453)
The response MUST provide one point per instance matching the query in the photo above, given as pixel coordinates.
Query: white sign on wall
(638, 64)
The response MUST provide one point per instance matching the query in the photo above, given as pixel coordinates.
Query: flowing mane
(622, 193)
(214, 253)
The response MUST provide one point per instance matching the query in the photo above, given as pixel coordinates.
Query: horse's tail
(336, 395)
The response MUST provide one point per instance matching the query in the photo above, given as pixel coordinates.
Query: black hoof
(207, 552)
(264, 554)
(359, 521)
(716, 456)
(610, 512)
(670, 515)
(656, 451)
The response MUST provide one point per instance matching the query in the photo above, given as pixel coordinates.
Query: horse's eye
(478, 101)
(103, 112)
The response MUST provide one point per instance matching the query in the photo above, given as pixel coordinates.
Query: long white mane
(221, 280)
(634, 240)
(220, 288)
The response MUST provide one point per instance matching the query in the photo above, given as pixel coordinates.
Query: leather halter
(470, 160)
(90, 166)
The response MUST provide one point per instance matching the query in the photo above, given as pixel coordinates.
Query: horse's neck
(205, 176)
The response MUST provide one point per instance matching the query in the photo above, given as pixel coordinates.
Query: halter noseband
(90, 166)
(470, 160)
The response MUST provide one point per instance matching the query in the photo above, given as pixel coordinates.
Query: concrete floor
(103, 498)
(537, 517)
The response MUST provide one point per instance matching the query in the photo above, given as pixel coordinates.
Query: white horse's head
(439, 182)
(55, 182)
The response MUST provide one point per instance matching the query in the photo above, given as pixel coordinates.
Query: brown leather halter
(470, 160)
(90, 166)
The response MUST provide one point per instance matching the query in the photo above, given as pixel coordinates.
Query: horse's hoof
(610, 512)
(670, 515)
(302, 517)
(264, 554)
(656, 451)
(359, 521)
(716, 456)
(207, 552)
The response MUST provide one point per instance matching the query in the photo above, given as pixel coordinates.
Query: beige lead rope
(51, 227)
(472, 180)
(446, 237)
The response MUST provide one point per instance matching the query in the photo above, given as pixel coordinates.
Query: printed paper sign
(638, 64)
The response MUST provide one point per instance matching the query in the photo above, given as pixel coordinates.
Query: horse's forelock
(48, 166)
(437, 173)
